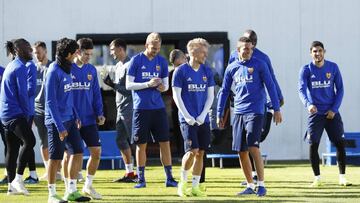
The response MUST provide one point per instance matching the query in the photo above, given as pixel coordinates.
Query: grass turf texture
(286, 182)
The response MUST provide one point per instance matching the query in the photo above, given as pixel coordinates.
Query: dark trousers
(17, 133)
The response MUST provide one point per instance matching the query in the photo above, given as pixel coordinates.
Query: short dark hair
(118, 42)
(85, 43)
(14, 44)
(245, 39)
(65, 46)
(317, 44)
(40, 44)
(252, 36)
(175, 54)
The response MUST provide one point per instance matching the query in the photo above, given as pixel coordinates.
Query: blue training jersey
(59, 103)
(194, 88)
(265, 58)
(246, 79)
(144, 70)
(32, 85)
(322, 87)
(2, 69)
(87, 95)
(14, 91)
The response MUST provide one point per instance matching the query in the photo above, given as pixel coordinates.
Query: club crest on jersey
(204, 78)
(157, 68)
(89, 76)
(250, 70)
(328, 75)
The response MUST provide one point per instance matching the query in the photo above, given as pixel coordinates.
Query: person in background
(15, 113)
(63, 122)
(193, 92)
(247, 77)
(321, 90)
(124, 108)
(88, 104)
(147, 77)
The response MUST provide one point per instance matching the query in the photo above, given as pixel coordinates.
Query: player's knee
(95, 152)
(191, 153)
(244, 154)
(123, 144)
(195, 152)
(199, 154)
(30, 142)
(314, 147)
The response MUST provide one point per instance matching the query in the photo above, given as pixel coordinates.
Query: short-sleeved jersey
(194, 88)
(144, 70)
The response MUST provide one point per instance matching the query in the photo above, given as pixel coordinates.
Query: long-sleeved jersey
(246, 79)
(143, 70)
(59, 102)
(31, 83)
(87, 95)
(322, 87)
(14, 91)
(265, 58)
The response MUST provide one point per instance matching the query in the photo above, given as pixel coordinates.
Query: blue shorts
(150, 122)
(90, 135)
(246, 131)
(316, 125)
(72, 142)
(195, 136)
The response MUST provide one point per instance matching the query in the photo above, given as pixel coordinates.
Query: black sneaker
(127, 179)
(4, 181)
(31, 180)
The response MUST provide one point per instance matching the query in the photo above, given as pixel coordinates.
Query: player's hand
(312, 109)
(201, 119)
(154, 82)
(100, 120)
(282, 102)
(161, 88)
(63, 134)
(191, 120)
(277, 117)
(330, 114)
(220, 122)
(109, 82)
(78, 123)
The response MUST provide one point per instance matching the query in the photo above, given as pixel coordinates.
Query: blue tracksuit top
(261, 56)
(31, 83)
(87, 95)
(246, 79)
(14, 91)
(322, 87)
(59, 102)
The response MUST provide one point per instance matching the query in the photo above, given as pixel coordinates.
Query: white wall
(285, 30)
